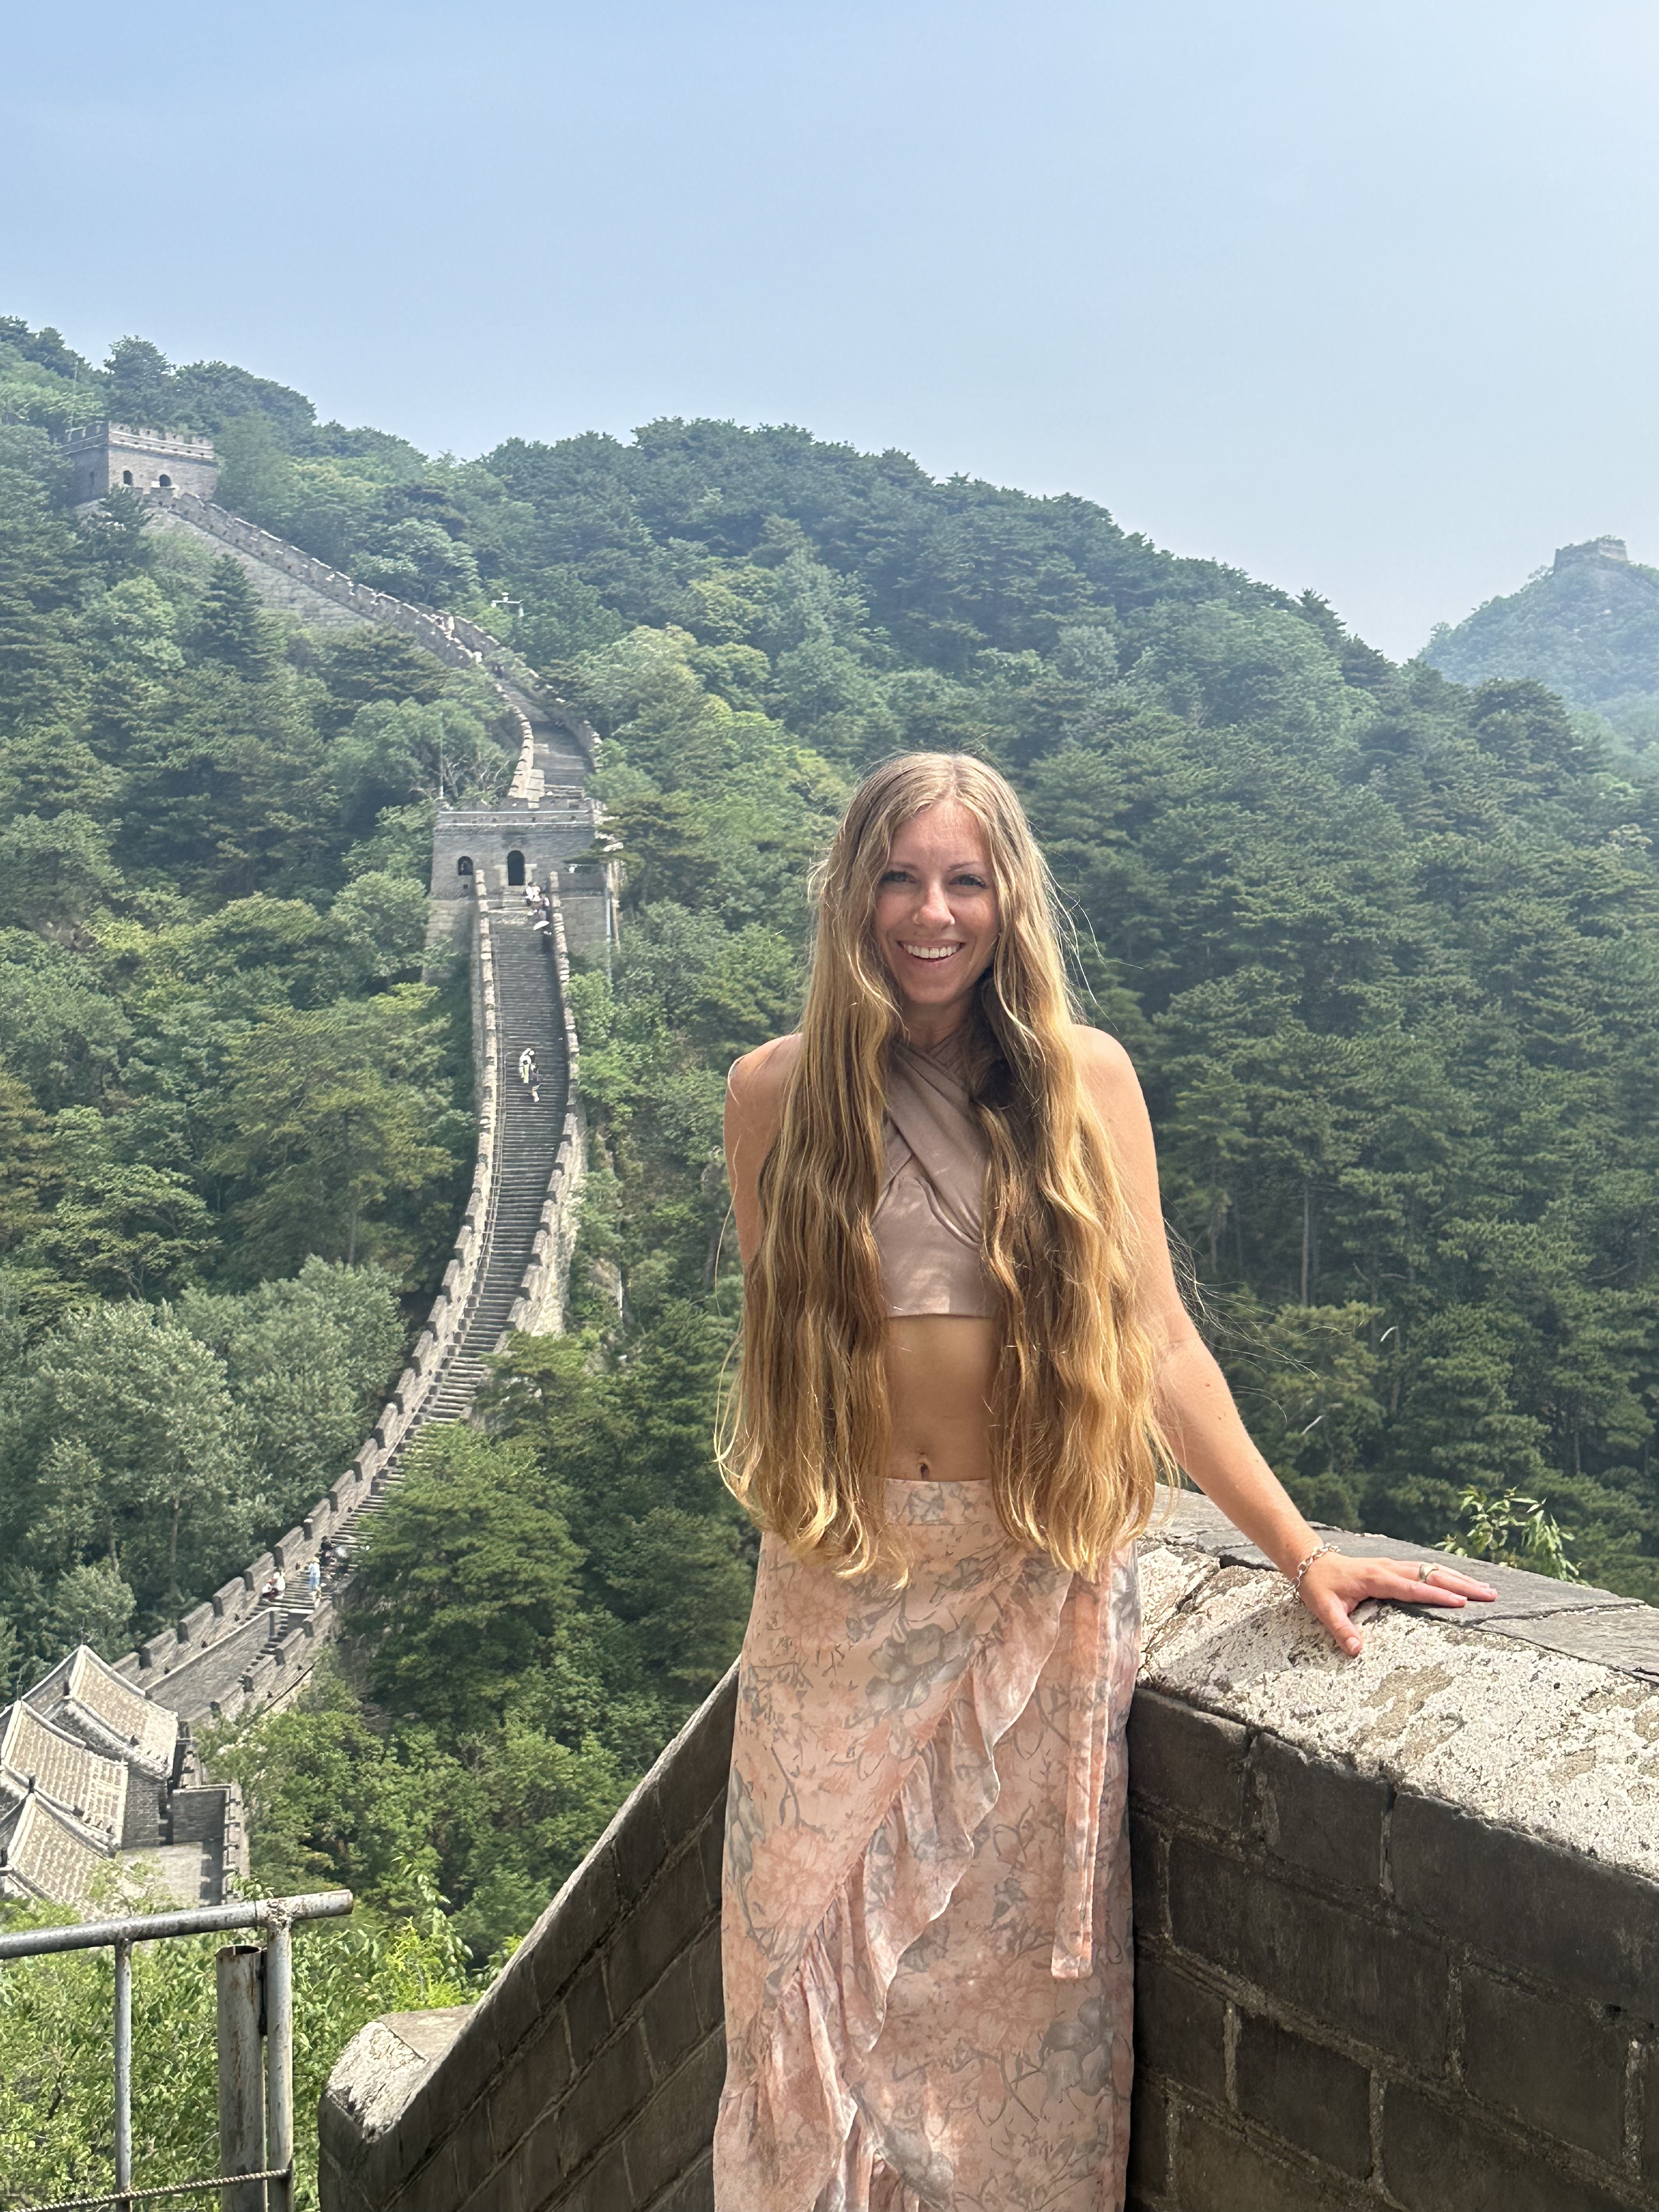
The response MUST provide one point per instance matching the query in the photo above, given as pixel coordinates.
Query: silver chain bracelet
(1318, 1553)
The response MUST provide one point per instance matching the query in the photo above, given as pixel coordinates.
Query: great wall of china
(1396, 1920)
(238, 1651)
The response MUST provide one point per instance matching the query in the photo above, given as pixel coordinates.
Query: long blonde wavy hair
(1077, 1452)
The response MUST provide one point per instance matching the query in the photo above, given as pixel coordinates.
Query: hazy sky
(1364, 296)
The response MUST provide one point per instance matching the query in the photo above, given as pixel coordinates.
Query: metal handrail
(274, 2127)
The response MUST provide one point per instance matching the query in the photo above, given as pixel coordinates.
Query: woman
(965, 1365)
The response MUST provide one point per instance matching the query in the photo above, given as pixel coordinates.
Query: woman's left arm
(1196, 1407)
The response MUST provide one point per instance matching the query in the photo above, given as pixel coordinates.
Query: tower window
(464, 865)
(126, 475)
(515, 867)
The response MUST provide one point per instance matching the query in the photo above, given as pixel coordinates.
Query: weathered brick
(664, 1923)
(532, 2080)
(706, 1981)
(1180, 2027)
(473, 2148)
(1551, 2062)
(588, 2013)
(692, 2192)
(1571, 1919)
(1146, 1876)
(670, 2015)
(496, 2192)
(1375, 1981)
(1437, 2155)
(613, 2087)
(693, 1778)
(573, 1926)
(1218, 2169)
(434, 2188)
(674, 2131)
(639, 1843)
(1323, 1817)
(1189, 1760)
(1314, 2097)
(513, 2005)
(1149, 2139)
(537, 2164)
(711, 1849)
(604, 2188)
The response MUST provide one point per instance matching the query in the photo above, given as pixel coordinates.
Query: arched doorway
(126, 475)
(515, 867)
(464, 865)
(164, 484)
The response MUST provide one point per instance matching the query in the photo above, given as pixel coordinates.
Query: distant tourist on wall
(314, 1579)
(966, 1367)
(528, 1075)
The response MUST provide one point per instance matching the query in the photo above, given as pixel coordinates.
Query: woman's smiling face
(936, 916)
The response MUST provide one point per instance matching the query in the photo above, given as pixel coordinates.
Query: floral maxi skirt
(926, 1930)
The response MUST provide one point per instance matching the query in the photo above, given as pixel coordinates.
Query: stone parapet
(1397, 1933)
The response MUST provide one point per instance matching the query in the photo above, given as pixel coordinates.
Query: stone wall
(1397, 1936)
(162, 1665)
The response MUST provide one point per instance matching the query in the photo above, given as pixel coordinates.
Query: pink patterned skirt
(925, 1936)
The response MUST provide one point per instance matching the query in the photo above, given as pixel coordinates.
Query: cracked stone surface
(1499, 1720)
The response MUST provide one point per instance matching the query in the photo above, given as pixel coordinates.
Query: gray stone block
(587, 2011)
(1147, 1877)
(530, 2085)
(711, 1850)
(692, 2192)
(1590, 1928)
(496, 2192)
(1149, 2139)
(1337, 1965)
(1626, 1636)
(1220, 2169)
(1323, 1817)
(1180, 2027)
(1436, 2155)
(706, 1979)
(613, 2087)
(693, 1776)
(1556, 2065)
(674, 2131)
(511, 2006)
(472, 2147)
(573, 1926)
(604, 2188)
(536, 2163)
(1312, 2096)
(664, 1923)
(433, 2188)
(670, 2017)
(639, 1842)
(1193, 1762)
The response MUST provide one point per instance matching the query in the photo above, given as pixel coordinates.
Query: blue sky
(1355, 295)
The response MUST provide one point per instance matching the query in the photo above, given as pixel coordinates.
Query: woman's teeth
(929, 951)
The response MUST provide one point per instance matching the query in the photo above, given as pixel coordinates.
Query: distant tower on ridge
(111, 456)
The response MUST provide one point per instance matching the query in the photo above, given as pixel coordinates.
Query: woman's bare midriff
(940, 1371)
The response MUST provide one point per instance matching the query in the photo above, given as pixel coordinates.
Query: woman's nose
(935, 908)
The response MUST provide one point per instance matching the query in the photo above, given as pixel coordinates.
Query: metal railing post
(279, 2062)
(124, 2071)
(241, 2078)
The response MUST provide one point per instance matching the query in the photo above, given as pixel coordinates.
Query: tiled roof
(91, 1789)
(43, 1854)
(89, 1700)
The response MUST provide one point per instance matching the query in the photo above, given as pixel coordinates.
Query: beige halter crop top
(928, 1218)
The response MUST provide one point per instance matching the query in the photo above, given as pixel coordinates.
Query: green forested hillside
(1382, 947)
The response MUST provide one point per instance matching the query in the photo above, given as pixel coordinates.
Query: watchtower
(109, 456)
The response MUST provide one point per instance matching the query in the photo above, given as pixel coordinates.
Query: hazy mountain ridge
(1588, 626)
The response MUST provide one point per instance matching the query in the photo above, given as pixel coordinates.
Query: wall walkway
(1397, 1939)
